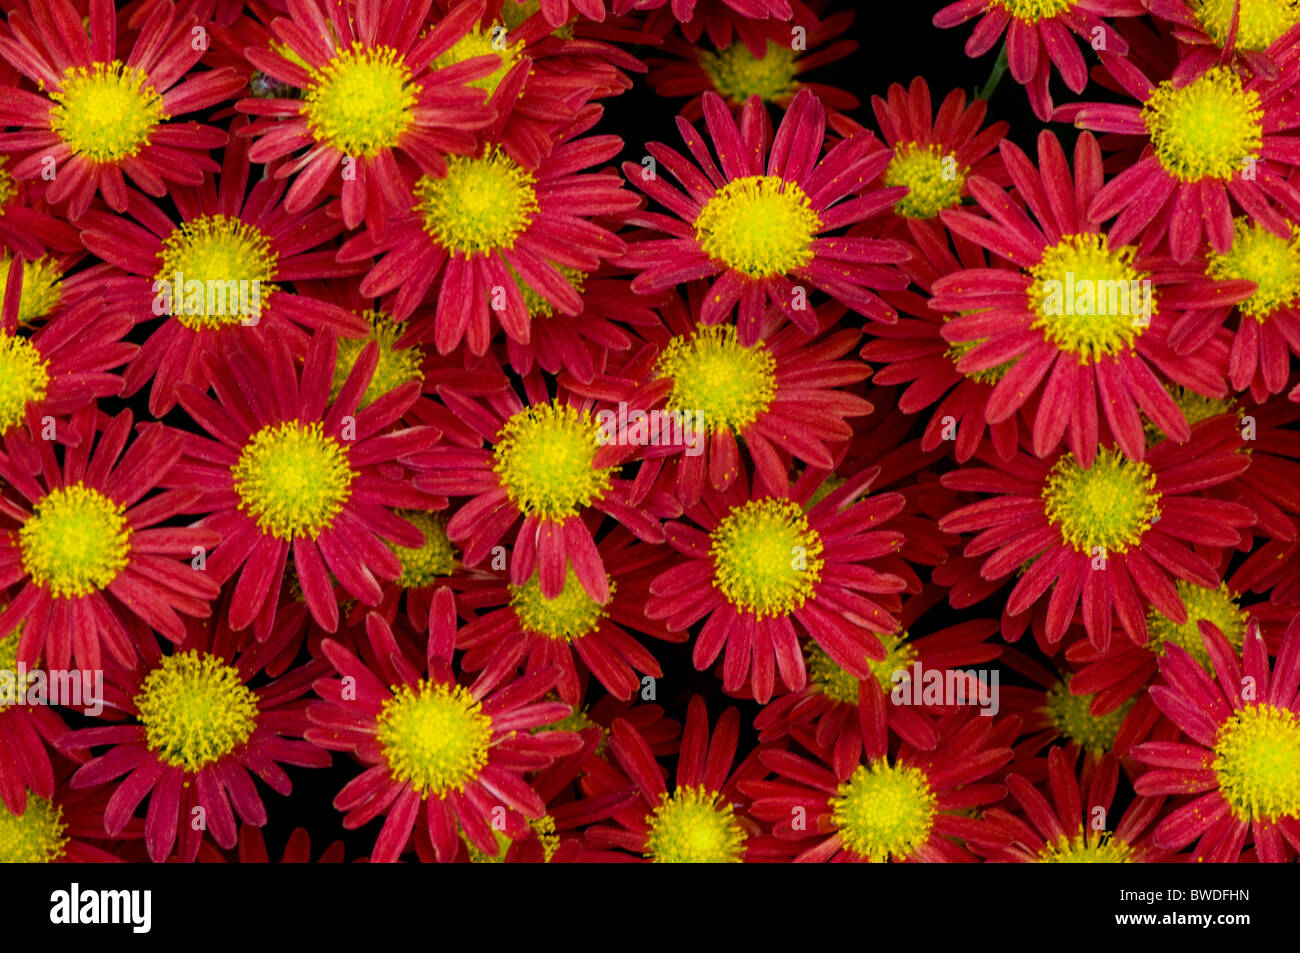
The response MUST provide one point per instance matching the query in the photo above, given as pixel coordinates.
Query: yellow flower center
(9, 667)
(397, 366)
(434, 736)
(1218, 606)
(1260, 22)
(41, 287)
(737, 74)
(195, 710)
(1260, 256)
(1257, 760)
(766, 558)
(884, 811)
(36, 837)
(292, 479)
(480, 42)
(1095, 847)
(694, 825)
(714, 374)
(436, 559)
(226, 267)
(956, 350)
(758, 225)
(76, 541)
(1109, 505)
(1031, 11)
(935, 180)
(570, 615)
(107, 112)
(544, 458)
(481, 205)
(1071, 715)
(361, 101)
(1206, 129)
(826, 677)
(1090, 300)
(24, 379)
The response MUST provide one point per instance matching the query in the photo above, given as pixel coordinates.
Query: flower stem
(995, 77)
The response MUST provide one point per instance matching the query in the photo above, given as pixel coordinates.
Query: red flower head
(100, 117)
(759, 224)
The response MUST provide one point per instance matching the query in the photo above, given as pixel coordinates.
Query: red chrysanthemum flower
(787, 397)
(1064, 830)
(101, 117)
(774, 75)
(201, 734)
(1038, 38)
(550, 463)
(1107, 535)
(698, 822)
(890, 808)
(1261, 33)
(290, 469)
(1205, 141)
(371, 89)
(231, 255)
(534, 631)
(1082, 323)
(935, 152)
(62, 828)
(489, 228)
(27, 732)
(1242, 760)
(758, 564)
(27, 226)
(82, 541)
(437, 753)
(759, 224)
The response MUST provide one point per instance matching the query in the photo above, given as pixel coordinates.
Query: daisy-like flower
(1064, 830)
(550, 463)
(1242, 758)
(698, 821)
(476, 236)
(99, 117)
(1204, 141)
(835, 706)
(81, 539)
(1081, 323)
(775, 75)
(370, 91)
(759, 570)
(199, 734)
(290, 470)
(232, 255)
(890, 808)
(1260, 32)
(1253, 287)
(1038, 38)
(935, 151)
(61, 828)
(1109, 535)
(437, 753)
(540, 632)
(785, 397)
(760, 224)
(60, 368)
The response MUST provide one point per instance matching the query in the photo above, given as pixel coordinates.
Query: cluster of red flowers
(361, 410)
